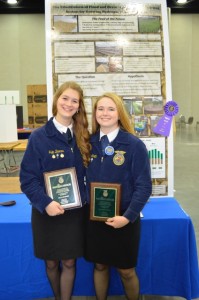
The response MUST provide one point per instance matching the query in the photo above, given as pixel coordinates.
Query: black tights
(128, 276)
(61, 277)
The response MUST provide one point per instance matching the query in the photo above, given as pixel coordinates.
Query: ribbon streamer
(164, 124)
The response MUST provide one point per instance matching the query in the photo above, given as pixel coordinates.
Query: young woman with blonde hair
(124, 161)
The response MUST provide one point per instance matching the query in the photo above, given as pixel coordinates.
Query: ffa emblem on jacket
(118, 158)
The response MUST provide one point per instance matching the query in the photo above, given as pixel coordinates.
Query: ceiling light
(181, 1)
(12, 1)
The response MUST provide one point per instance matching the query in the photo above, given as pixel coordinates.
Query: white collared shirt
(111, 135)
(61, 127)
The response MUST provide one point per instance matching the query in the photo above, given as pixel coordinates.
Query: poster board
(116, 46)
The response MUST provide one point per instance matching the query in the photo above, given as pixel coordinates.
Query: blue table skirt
(167, 263)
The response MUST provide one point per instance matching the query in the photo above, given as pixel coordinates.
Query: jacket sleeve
(31, 176)
(142, 184)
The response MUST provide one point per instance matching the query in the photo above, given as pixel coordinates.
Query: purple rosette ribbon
(164, 124)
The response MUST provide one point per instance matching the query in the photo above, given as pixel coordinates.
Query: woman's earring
(77, 111)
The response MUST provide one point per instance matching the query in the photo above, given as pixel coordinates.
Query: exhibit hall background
(22, 53)
(23, 61)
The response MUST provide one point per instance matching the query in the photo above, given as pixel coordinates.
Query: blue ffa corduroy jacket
(128, 165)
(48, 150)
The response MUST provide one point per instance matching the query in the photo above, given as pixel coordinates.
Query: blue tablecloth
(167, 264)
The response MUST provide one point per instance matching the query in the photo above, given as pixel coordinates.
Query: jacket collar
(122, 138)
(52, 131)
(50, 128)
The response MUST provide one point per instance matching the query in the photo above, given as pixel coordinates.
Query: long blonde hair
(123, 121)
(80, 122)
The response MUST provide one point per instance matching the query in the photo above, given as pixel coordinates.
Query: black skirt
(59, 237)
(113, 247)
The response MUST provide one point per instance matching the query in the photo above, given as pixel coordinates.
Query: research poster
(122, 47)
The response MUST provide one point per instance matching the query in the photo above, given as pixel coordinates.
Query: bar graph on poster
(118, 46)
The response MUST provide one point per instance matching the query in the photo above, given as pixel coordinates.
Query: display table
(8, 158)
(167, 264)
(10, 184)
(24, 133)
(21, 146)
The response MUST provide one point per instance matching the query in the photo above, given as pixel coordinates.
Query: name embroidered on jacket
(56, 153)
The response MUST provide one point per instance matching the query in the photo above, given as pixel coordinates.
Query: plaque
(62, 186)
(104, 201)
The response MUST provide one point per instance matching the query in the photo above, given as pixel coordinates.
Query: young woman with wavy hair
(63, 142)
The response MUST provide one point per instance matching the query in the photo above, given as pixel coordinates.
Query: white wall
(22, 57)
(184, 43)
(22, 53)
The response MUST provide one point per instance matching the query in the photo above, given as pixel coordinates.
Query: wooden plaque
(62, 186)
(105, 200)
